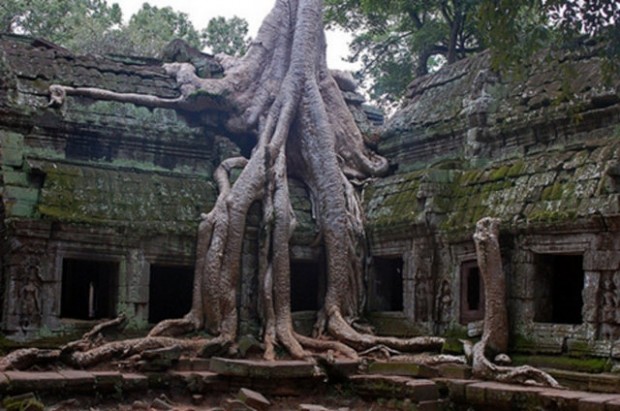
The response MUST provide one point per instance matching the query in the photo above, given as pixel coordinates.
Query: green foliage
(229, 36)
(396, 40)
(75, 24)
(94, 26)
(151, 28)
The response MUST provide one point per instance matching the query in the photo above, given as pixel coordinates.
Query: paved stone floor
(243, 385)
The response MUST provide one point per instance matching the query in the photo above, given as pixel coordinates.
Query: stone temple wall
(541, 151)
(109, 189)
(101, 200)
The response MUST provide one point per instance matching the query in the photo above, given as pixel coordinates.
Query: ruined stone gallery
(263, 197)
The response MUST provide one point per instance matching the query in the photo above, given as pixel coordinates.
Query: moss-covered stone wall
(540, 150)
(95, 180)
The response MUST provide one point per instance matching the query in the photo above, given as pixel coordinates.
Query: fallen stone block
(387, 386)
(253, 399)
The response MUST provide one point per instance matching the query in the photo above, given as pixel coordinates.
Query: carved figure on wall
(608, 310)
(29, 298)
(615, 279)
(444, 309)
(421, 295)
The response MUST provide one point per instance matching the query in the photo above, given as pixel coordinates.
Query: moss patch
(591, 365)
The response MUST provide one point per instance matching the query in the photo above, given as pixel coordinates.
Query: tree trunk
(495, 332)
(489, 258)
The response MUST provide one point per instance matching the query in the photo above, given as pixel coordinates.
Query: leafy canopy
(95, 26)
(228, 36)
(74, 24)
(396, 40)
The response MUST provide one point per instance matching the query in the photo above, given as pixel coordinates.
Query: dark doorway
(386, 285)
(472, 293)
(307, 283)
(89, 289)
(558, 288)
(170, 291)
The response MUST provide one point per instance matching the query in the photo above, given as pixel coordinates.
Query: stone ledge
(517, 397)
(264, 369)
(402, 368)
(388, 386)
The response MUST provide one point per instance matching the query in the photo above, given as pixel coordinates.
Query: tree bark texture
(495, 331)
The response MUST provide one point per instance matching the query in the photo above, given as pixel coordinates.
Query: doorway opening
(170, 292)
(307, 286)
(558, 288)
(472, 293)
(386, 284)
(89, 289)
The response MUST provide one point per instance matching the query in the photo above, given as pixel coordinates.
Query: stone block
(578, 347)
(428, 406)
(458, 371)
(508, 396)
(14, 178)
(20, 381)
(135, 382)
(11, 139)
(78, 380)
(561, 400)
(312, 407)
(254, 399)
(475, 394)
(403, 368)
(107, 381)
(605, 382)
(596, 402)
(457, 389)
(138, 294)
(523, 282)
(388, 386)
(12, 156)
(262, 369)
(601, 260)
(4, 382)
(612, 405)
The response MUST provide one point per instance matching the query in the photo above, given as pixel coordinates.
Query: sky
(201, 11)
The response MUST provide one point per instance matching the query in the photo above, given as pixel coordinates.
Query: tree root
(525, 374)
(27, 357)
(342, 331)
(495, 331)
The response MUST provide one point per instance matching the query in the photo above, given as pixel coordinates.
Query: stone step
(604, 382)
(264, 369)
(391, 386)
(517, 397)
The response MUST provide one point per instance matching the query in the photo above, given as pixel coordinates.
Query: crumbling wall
(100, 182)
(539, 150)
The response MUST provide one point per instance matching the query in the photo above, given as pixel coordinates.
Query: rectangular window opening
(472, 293)
(558, 288)
(89, 289)
(170, 291)
(386, 284)
(307, 286)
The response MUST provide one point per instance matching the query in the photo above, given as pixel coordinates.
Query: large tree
(80, 25)
(397, 40)
(151, 28)
(228, 36)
